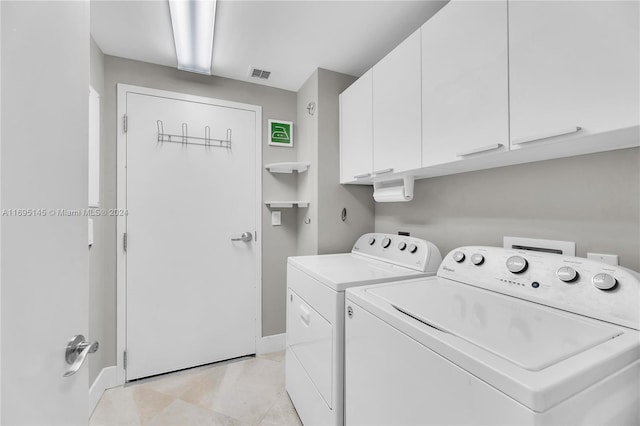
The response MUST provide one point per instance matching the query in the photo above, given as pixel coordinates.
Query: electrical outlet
(276, 218)
(610, 259)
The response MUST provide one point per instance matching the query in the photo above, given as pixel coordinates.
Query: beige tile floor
(246, 391)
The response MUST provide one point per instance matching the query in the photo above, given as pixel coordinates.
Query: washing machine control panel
(574, 284)
(410, 252)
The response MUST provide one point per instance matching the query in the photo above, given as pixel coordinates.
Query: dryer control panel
(410, 252)
(574, 284)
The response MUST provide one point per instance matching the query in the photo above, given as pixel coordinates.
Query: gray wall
(307, 139)
(100, 326)
(278, 242)
(334, 235)
(592, 199)
(319, 143)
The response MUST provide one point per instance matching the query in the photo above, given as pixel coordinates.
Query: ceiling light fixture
(193, 22)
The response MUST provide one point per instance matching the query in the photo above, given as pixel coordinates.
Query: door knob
(76, 353)
(246, 237)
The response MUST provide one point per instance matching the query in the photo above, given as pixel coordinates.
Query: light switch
(276, 218)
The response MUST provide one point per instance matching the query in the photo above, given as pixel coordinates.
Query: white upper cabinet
(482, 80)
(356, 130)
(573, 64)
(465, 98)
(397, 114)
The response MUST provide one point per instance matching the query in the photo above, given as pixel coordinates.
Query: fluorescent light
(192, 22)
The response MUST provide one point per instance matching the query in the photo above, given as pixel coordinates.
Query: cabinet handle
(362, 176)
(479, 150)
(547, 135)
(383, 171)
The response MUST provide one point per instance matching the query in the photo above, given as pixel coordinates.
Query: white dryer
(315, 314)
(499, 337)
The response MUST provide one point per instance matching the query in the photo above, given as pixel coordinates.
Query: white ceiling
(289, 38)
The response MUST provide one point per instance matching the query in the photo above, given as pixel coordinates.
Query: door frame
(121, 224)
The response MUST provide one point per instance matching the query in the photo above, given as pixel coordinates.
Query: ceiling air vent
(257, 73)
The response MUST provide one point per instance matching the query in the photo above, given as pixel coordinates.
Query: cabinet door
(572, 64)
(465, 96)
(356, 130)
(397, 108)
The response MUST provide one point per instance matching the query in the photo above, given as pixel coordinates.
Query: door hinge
(124, 241)
(125, 122)
(124, 360)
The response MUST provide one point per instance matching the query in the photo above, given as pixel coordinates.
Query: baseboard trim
(107, 379)
(274, 343)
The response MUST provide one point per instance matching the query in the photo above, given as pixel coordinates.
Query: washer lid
(344, 270)
(526, 334)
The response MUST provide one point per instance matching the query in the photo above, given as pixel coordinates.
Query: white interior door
(191, 290)
(44, 259)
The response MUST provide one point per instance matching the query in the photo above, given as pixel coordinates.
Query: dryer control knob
(372, 240)
(477, 259)
(386, 242)
(413, 248)
(567, 274)
(402, 246)
(458, 256)
(517, 264)
(604, 281)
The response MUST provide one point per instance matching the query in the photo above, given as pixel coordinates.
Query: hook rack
(185, 139)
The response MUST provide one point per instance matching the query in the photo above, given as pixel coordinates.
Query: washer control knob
(402, 246)
(458, 256)
(517, 264)
(477, 259)
(372, 240)
(413, 248)
(386, 242)
(604, 281)
(567, 274)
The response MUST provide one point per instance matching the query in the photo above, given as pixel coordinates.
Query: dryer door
(310, 337)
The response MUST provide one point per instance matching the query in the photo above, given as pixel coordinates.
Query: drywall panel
(336, 235)
(592, 199)
(307, 142)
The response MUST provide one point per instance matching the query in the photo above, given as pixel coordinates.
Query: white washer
(500, 337)
(315, 314)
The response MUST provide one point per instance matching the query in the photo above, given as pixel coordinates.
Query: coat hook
(307, 220)
(160, 130)
(207, 136)
(184, 133)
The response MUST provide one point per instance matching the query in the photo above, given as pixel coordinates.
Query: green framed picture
(281, 133)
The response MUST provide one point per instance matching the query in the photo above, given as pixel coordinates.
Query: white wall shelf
(286, 204)
(287, 167)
